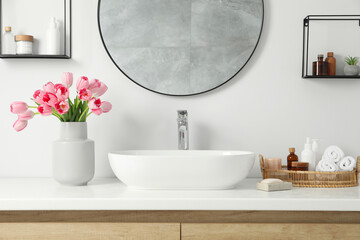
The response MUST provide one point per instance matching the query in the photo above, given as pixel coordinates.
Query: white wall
(266, 108)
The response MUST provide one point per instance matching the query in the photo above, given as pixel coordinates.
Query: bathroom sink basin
(181, 169)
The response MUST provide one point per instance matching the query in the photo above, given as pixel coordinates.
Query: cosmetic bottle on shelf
(331, 63)
(9, 43)
(320, 67)
(53, 38)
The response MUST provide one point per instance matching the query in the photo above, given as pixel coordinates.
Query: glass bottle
(320, 68)
(300, 166)
(291, 158)
(314, 68)
(331, 63)
(9, 43)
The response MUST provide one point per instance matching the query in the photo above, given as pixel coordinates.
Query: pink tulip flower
(94, 83)
(97, 92)
(18, 107)
(67, 79)
(97, 111)
(106, 106)
(45, 110)
(38, 94)
(50, 99)
(85, 94)
(49, 87)
(95, 105)
(20, 125)
(82, 82)
(27, 115)
(62, 92)
(62, 107)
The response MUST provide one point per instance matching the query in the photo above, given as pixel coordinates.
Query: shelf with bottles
(337, 34)
(41, 28)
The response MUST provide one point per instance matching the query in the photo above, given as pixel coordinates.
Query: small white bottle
(9, 46)
(315, 149)
(307, 155)
(53, 38)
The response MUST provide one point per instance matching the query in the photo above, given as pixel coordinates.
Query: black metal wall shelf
(337, 76)
(306, 41)
(34, 56)
(66, 33)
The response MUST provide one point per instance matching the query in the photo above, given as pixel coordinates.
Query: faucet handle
(182, 113)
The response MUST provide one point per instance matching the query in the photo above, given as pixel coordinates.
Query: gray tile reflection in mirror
(180, 47)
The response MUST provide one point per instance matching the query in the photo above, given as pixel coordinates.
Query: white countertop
(111, 194)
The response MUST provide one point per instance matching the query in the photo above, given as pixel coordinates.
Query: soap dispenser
(307, 155)
(53, 38)
(315, 149)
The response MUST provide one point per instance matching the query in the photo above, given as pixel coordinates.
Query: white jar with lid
(24, 44)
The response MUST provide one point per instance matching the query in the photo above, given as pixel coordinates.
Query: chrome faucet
(183, 130)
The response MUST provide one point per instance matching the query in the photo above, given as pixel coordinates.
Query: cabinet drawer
(269, 231)
(89, 231)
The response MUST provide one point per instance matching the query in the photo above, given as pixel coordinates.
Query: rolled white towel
(348, 163)
(333, 153)
(327, 165)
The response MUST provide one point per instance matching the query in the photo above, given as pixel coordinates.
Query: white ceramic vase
(73, 155)
(351, 70)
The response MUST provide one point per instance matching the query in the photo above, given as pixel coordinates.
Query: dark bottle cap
(330, 54)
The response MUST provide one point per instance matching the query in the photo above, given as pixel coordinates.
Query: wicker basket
(312, 178)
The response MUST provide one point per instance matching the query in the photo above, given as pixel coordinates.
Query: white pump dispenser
(307, 155)
(315, 149)
(53, 38)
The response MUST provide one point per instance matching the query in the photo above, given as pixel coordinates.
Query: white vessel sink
(181, 169)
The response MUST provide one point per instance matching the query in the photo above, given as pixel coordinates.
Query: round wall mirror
(180, 47)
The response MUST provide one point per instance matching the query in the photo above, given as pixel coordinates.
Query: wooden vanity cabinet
(176, 225)
(269, 231)
(89, 231)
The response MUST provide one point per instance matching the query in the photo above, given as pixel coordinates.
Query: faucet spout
(183, 130)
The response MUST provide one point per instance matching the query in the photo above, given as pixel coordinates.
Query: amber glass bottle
(314, 68)
(291, 158)
(300, 166)
(320, 68)
(331, 63)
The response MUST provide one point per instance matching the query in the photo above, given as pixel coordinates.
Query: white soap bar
(276, 186)
(272, 180)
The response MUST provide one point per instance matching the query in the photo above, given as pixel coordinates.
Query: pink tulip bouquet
(53, 99)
